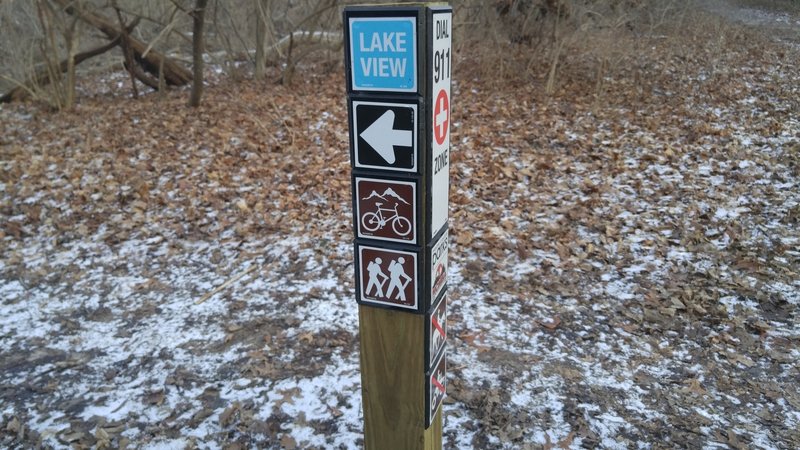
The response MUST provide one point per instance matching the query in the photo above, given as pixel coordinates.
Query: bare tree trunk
(71, 37)
(289, 70)
(291, 60)
(126, 50)
(261, 38)
(198, 14)
(49, 51)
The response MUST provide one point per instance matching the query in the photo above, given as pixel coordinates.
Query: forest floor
(624, 262)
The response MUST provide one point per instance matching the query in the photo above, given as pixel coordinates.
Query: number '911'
(441, 65)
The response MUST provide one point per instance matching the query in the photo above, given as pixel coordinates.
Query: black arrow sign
(385, 135)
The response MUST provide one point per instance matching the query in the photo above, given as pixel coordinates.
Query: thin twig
(165, 31)
(226, 284)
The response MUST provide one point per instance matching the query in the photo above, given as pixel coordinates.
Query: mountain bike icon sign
(386, 210)
(374, 221)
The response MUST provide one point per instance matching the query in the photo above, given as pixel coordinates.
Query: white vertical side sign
(441, 57)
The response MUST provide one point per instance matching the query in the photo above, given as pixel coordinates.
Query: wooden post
(392, 381)
(398, 63)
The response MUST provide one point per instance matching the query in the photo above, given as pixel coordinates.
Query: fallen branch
(331, 40)
(42, 77)
(225, 284)
(173, 73)
(142, 76)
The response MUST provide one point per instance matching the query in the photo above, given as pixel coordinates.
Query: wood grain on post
(393, 381)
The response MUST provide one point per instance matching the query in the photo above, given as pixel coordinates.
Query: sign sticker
(440, 65)
(385, 135)
(437, 330)
(437, 387)
(438, 266)
(383, 54)
(388, 277)
(386, 210)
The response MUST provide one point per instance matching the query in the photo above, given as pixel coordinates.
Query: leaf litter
(621, 276)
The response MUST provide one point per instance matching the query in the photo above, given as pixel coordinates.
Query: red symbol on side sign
(438, 381)
(439, 280)
(438, 389)
(441, 117)
(440, 333)
(436, 386)
(438, 330)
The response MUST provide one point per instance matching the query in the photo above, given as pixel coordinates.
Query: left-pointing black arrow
(385, 135)
(382, 136)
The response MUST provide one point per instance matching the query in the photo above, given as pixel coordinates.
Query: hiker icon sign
(388, 277)
(385, 210)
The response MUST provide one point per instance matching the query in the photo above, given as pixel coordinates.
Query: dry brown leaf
(464, 238)
(155, 397)
(551, 324)
(288, 442)
(226, 417)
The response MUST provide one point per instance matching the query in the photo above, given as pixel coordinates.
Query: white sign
(441, 57)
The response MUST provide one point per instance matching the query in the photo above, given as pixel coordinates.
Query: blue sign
(383, 54)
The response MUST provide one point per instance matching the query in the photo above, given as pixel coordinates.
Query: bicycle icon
(373, 221)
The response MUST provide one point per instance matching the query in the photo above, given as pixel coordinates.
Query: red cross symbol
(441, 117)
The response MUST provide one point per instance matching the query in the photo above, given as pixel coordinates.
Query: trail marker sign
(438, 265)
(383, 54)
(439, 72)
(387, 277)
(436, 383)
(385, 135)
(436, 331)
(386, 210)
(398, 62)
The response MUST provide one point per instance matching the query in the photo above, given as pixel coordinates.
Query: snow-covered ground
(622, 277)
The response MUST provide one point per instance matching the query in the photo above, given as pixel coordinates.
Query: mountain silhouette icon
(389, 192)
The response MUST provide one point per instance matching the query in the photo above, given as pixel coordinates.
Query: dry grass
(575, 47)
(586, 46)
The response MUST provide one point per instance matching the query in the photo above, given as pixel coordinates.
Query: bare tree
(198, 16)
(156, 41)
(262, 32)
(146, 58)
(60, 91)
